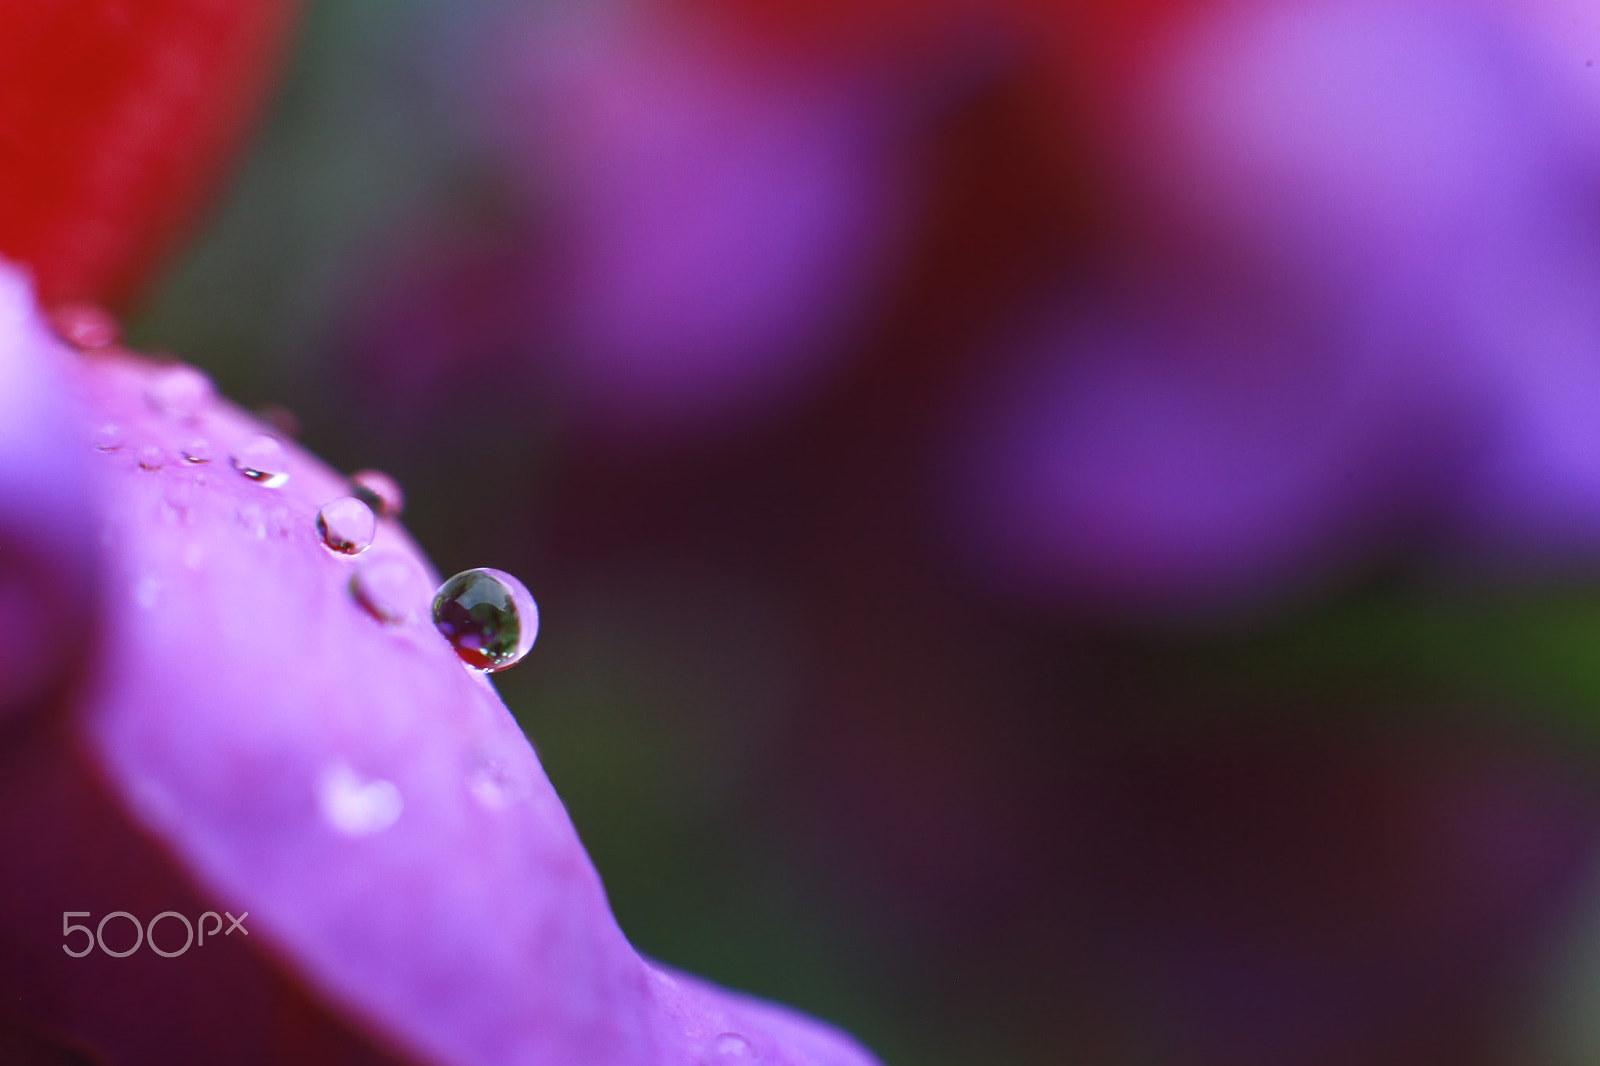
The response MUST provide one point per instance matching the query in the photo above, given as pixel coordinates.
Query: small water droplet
(262, 459)
(488, 616)
(730, 1048)
(390, 587)
(378, 491)
(108, 438)
(492, 787)
(179, 391)
(253, 518)
(281, 521)
(354, 806)
(147, 593)
(85, 326)
(151, 458)
(197, 450)
(346, 525)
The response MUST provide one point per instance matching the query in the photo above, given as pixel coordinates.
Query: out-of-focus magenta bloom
(1349, 310)
(706, 223)
(216, 722)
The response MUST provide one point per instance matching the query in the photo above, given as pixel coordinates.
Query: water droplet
(491, 786)
(151, 458)
(488, 616)
(281, 521)
(354, 806)
(346, 525)
(253, 518)
(730, 1048)
(378, 491)
(148, 591)
(108, 438)
(262, 459)
(85, 326)
(390, 587)
(197, 450)
(180, 391)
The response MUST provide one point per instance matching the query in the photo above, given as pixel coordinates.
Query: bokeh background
(1066, 532)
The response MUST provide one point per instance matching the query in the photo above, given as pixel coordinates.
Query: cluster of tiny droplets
(488, 616)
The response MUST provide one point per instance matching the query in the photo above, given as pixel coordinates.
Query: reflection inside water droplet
(262, 459)
(107, 438)
(346, 525)
(390, 587)
(488, 616)
(179, 391)
(378, 491)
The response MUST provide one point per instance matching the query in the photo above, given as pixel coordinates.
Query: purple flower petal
(269, 745)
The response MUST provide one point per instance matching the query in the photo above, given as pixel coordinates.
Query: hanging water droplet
(107, 438)
(179, 391)
(197, 450)
(262, 459)
(346, 525)
(378, 491)
(488, 616)
(85, 326)
(730, 1048)
(151, 458)
(390, 587)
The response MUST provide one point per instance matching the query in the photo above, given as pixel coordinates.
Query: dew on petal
(179, 391)
(346, 525)
(390, 587)
(488, 616)
(262, 459)
(254, 520)
(354, 806)
(151, 458)
(378, 491)
(108, 438)
(730, 1048)
(85, 326)
(197, 450)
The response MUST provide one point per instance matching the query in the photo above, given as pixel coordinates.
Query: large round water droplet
(390, 587)
(179, 391)
(262, 459)
(347, 525)
(487, 616)
(378, 491)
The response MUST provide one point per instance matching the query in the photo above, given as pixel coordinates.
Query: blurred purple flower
(702, 225)
(1350, 311)
(208, 719)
